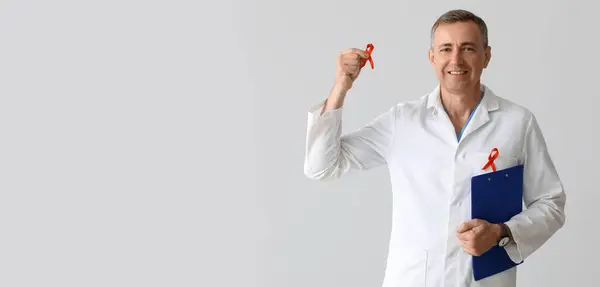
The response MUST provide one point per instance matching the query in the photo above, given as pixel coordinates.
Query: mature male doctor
(432, 147)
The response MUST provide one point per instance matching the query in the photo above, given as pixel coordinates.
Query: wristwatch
(505, 237)
(503, 241)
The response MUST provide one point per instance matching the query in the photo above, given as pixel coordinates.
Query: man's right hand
(348, 68)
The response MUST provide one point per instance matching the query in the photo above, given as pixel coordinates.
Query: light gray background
(161, 143)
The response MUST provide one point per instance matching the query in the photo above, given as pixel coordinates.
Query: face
(458, 56)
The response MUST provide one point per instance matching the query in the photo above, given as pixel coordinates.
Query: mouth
(457, 72)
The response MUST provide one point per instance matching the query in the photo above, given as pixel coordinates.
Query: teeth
(457, 72)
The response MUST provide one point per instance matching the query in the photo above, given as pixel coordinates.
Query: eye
(445, 50)
(469, 49)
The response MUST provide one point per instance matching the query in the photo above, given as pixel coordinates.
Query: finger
(351, 56)
(469, 244)
(463, 236)
(359, 52)
(351, 65)
(468, 249)
(466, 236)
(478, 221)
(470, 224)
(351, 62)
(351, 68)
(463, 245)
(348, 58)
(353, 71)
(465, 226)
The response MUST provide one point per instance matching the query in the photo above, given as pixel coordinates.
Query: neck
(459, 105)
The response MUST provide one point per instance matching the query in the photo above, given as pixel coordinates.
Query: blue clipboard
(496, 197)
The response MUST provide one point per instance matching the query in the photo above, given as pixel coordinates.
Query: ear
(431, 57)
(488, 56)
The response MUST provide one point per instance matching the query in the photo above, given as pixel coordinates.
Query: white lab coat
(430, 172)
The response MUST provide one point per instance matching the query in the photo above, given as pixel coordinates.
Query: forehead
(457, 33)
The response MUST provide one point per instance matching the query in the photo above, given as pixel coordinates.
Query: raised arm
(329, 154)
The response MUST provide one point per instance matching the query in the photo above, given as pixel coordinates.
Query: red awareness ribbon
(493, 156)
(369, 50)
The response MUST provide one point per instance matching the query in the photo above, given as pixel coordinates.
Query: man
(432, 147)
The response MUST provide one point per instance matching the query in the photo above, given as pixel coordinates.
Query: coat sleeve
(543, 195)
(329, 154)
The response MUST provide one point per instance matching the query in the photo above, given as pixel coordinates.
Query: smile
(457, 72)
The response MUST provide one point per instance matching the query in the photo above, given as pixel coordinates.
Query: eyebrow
(461, 44)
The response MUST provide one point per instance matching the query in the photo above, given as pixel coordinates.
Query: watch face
(503, 241)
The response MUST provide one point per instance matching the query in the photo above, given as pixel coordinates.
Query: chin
(457, 86)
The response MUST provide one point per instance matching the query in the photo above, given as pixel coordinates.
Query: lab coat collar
(488, 103)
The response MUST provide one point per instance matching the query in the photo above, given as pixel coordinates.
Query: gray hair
(459, 15)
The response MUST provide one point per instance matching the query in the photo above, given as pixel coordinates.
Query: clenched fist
(477, 236)
(349, 64)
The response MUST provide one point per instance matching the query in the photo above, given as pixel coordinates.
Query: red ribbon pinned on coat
(493, 156)
(369, 50)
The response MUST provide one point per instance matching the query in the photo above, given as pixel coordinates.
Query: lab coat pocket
(409, 268)
(478, 161)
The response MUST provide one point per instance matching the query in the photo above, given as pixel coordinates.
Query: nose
(457, 57)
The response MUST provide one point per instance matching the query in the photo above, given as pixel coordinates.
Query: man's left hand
(478, 236)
